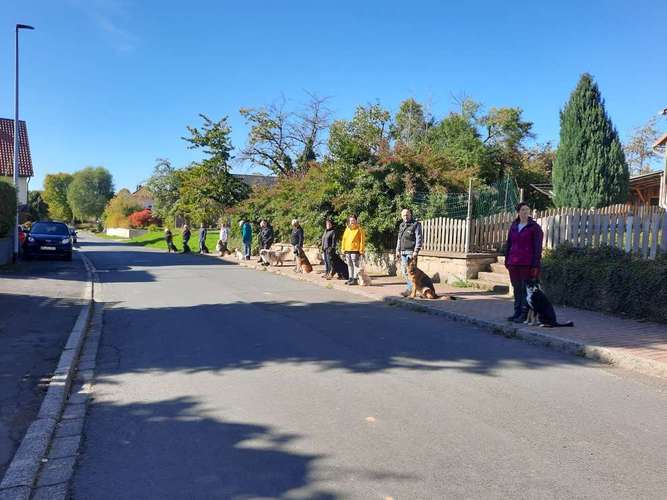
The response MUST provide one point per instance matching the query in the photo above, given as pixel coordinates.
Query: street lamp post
(16, 138)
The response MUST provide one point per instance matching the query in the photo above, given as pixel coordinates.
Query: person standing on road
(202, 239)
(408, 244)
(523, 257)
(246, 236)
(169, 239)
(224, 237)
(186, 238)
(353, 245)
(297, 242)
(265, 237)
(328, 246)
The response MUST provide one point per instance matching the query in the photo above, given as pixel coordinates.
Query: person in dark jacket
(328, 245)
(297, 242)
(265, 237)
(408, 244)
(169, 239)
(202, 239)
(523, 256)
(186, 238)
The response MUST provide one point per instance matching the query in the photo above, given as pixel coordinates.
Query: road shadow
(357, 337)
(215, 458)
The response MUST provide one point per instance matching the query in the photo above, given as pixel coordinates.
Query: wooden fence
(641, 231)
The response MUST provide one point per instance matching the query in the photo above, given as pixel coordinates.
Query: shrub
(140, 218)
(7, 208)
(119, 208)
(607, 279)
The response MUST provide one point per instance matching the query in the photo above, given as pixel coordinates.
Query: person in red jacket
(523, 256)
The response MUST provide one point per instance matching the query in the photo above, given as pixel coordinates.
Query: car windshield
(50, 228)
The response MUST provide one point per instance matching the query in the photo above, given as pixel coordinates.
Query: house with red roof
(7, 157)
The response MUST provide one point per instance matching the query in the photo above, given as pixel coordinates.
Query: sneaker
(405, 293)
(521, 318)
(354, 282)
(348, 282)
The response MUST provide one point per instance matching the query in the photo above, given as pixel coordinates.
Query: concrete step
(501, 260)
(499, 268)
(489, 286)
(501, 279)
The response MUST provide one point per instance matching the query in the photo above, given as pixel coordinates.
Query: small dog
(540, 310)
(273, 257)
(421, 283)
(338, 267)
(363, 275)
(238, 254)
(304, 263)
(221, 248)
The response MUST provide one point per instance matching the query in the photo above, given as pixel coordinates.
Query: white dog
(363, 276)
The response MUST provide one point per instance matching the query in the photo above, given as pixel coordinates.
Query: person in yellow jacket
(353, 245)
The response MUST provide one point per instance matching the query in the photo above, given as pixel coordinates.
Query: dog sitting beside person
(421, 283)
(338, 267)
(540, 310)
(303, 263)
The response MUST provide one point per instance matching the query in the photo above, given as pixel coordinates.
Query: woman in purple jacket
(523, 255)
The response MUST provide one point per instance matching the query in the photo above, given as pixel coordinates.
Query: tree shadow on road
(357, 337)
(215, 458)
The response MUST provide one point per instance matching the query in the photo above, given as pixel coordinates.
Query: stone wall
(453, 267)
(122, 232)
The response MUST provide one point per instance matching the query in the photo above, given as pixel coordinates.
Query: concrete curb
(22, 473)
(597, 353)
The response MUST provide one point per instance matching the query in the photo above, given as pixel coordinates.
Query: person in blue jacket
(246, 235)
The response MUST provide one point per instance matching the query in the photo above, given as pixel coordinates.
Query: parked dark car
(48, 238)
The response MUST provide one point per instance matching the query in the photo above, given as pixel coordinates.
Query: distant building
(254, 180)
(7, 157)
(144, 197)
(651, 188)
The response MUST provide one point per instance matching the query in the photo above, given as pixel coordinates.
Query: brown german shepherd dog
(421, 283)
(304, 263)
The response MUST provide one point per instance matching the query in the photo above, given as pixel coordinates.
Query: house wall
(23, 187)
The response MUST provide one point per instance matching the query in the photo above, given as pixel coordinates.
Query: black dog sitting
(338, 267)
(541, 311)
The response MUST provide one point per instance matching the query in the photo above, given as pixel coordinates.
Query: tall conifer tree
(590, 168)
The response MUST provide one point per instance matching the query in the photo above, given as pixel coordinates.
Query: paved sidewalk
(631, 343)
(39, 303)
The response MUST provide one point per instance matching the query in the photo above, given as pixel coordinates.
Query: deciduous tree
(89, 192)
(639, 150)
(55, 195)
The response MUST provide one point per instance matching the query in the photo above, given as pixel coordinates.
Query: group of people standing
(522, 255)
(171, 247)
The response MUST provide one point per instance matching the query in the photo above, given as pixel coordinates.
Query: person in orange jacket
(353, 245)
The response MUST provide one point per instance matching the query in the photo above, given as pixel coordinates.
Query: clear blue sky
(115, 82)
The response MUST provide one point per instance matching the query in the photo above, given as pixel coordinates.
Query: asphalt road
(39, 303)
(216, 381)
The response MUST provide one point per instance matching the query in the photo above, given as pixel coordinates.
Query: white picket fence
(641, 231)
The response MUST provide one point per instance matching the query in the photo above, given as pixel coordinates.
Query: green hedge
(607, 279)
(7, 208)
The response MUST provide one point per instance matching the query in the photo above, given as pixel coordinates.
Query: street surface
(39, 303)
(215, 381)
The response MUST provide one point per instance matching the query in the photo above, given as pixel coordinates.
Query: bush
(607, 279)
(119, 208)
(141, 218)
(7, 208)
